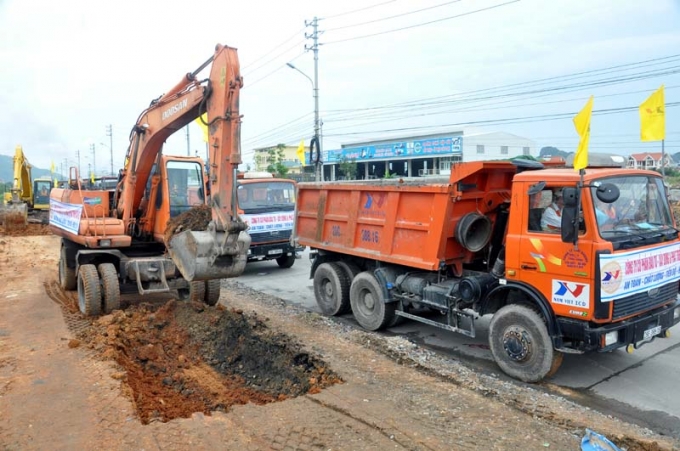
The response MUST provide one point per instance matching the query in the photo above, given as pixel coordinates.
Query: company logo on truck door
(179, 106)
(611, 277)
(571, 293)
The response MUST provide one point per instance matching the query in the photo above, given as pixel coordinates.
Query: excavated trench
(181, 358)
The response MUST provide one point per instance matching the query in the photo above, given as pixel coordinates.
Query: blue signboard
(452, 145)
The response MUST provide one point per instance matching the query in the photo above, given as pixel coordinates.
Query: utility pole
(109, 133)
(317, 124)
(78, 155)
(188, 143)
(94, 161)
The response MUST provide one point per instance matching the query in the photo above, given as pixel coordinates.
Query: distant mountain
(550, 151)
(7, 169)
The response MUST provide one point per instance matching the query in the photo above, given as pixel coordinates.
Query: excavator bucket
(14, 215)
(210, 254)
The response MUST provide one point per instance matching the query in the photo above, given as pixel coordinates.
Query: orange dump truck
(566, 264)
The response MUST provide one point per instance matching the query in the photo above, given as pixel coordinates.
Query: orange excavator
(115, 240)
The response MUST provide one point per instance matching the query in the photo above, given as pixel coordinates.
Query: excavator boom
(221, 251)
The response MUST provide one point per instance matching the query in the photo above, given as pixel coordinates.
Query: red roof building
(648, 160)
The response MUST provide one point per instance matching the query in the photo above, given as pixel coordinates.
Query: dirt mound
(195, 219)
(15, 229)
(182, 358)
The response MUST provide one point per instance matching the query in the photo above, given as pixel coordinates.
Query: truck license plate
(275, 251)
(653, 332)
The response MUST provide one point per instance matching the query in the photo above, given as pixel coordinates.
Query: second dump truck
(444, 251)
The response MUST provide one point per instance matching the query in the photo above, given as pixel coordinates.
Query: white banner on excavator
(65, 216)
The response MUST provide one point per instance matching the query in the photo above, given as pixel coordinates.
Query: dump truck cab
(267, 205)
(599, 282)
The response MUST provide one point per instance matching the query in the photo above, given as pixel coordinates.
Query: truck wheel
(89, 293)
(351, 270)
(212, 291)
(286, 261)
(521, 345)
(67, 276)
(368, 303)
(110, 287)
(195, 292)
(331, 289)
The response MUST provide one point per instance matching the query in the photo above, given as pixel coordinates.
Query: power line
(277, 56)
(356, 10)
(420, 24)
(275, 48)
(513, 85)
(511, 120)
(392, 17)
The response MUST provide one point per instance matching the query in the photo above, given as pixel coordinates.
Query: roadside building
(649, 160)
(419, 156)
(265, 156)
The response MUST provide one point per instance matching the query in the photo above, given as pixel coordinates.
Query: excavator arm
(221, 251)
(22, 190)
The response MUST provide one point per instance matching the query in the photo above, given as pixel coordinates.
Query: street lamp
(317, 123)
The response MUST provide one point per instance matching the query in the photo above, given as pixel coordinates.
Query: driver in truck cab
(551, 220)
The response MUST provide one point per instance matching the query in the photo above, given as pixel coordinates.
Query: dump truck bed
(409, 221)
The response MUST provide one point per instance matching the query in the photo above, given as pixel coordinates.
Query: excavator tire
(212, 291)
(195, 292)
(110, 287)
(67, 276)
(89, 292)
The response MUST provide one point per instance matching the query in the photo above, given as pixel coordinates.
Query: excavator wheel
(67, 276)
(195, 292)
(89, 292)
(110, 287)
(212, 291)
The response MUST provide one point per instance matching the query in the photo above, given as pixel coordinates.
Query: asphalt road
(639, 387)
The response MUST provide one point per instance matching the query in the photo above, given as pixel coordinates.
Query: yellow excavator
(26, 195)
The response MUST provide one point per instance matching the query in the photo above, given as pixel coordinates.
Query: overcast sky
(70, 68)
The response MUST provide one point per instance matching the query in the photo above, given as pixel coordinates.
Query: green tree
(348, 168)
(276, 157)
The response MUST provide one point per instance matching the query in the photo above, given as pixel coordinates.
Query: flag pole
(663, 159)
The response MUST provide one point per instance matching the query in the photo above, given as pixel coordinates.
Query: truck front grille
(639, 302)
(268, 237)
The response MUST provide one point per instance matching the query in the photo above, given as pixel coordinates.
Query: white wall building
(496, 146)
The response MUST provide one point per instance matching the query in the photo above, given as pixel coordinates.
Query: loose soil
(185, 358)
(195, 219)
(22, 229)
(118, 381)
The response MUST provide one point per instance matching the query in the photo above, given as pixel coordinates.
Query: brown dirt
(24, 229)
(195, 219)
(181, 359)
(55, 396)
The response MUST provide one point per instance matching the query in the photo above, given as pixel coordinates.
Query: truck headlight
(249, 252)
(676, 313)
(611, 337)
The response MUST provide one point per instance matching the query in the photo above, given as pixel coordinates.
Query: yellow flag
(582, 124)
(52, 167)
(204, 128)
(92, 177)
(653, 117)
(300, 152)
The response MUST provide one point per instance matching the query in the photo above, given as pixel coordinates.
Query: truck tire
(195, 292)
(351, 270)
(89, 293)
(521, 345)
(331, 289)
(286, 261)
(212, 291)
(110, 287)
(368, 303)
(67, 276)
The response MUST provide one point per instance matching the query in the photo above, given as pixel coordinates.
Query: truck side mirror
(570, 215)
(607, 193)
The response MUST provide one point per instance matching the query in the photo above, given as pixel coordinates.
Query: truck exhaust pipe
(210, 254)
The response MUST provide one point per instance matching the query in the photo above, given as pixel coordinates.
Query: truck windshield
(266, 196)
(640, 216)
